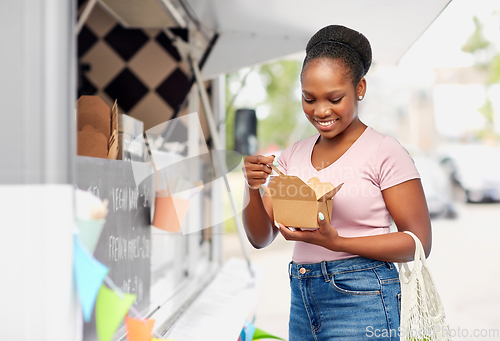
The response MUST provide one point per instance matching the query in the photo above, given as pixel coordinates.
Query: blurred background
(442, 102)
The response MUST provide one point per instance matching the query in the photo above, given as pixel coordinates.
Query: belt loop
(290, 270)
(324, 271)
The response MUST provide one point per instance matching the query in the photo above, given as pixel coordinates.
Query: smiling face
(329, 98)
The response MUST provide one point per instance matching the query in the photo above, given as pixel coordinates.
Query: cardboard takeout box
(97, 126)
(297, 204)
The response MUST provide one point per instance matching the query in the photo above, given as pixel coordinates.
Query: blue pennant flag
(247, 331)
(89, 276)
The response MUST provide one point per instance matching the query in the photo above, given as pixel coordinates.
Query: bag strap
(419, 249)
(419, 253)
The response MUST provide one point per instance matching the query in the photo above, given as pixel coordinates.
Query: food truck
(164, 63)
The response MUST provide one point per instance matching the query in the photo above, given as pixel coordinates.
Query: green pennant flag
(110, 310)
(260, 334)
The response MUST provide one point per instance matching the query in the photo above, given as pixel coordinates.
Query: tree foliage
(487, 57)
(280, 80)
(477, 41)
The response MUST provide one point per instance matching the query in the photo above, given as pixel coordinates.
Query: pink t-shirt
(373, 163)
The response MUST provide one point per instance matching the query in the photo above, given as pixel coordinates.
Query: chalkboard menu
(125, 242)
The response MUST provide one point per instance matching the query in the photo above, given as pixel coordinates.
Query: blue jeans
(348, 299)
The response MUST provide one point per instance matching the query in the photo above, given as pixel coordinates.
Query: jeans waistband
(328, 268)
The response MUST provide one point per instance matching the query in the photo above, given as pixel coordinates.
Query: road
(464, 263)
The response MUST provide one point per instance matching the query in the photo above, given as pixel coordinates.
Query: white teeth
(324, 124)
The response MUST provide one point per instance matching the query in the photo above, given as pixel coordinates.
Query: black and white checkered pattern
(138, 67)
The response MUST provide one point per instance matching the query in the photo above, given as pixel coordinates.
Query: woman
(344, 284)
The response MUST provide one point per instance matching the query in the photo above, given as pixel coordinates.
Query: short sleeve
(283, 159)
(394, 163)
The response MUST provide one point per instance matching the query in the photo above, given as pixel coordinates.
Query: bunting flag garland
(111, 305)
(260, 334)
(90, 231)
(247, 332)
(250, 332)
(110, 310)
(89, 276)
(139, 330)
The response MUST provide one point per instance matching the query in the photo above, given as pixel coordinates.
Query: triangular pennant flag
(110, 309)
(90, 231)
(243, 335)
(89, 275)
(139, 330)
(247, 332)
(260, 334)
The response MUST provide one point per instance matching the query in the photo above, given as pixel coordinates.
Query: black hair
(344, 44)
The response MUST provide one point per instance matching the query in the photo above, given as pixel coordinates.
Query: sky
(440, 45)
(455, 106)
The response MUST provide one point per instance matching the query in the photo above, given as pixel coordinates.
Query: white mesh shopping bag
(422, 314)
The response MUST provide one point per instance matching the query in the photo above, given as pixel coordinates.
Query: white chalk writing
(120, 248)
(124, 199)
(134, 286)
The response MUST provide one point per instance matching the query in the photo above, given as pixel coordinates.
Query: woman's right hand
(256, 170)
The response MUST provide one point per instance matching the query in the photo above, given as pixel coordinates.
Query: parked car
(438, 187)
(476, 168)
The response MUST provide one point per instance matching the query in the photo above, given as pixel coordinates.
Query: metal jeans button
(302, 271)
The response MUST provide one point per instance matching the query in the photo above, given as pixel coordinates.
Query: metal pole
(85, 15)
(217, 146)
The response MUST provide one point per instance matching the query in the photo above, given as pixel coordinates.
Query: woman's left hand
(325, 235)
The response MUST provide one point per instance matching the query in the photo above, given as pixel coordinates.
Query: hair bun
(343, 36)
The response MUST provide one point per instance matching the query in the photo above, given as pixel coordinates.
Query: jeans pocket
(363, 282)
